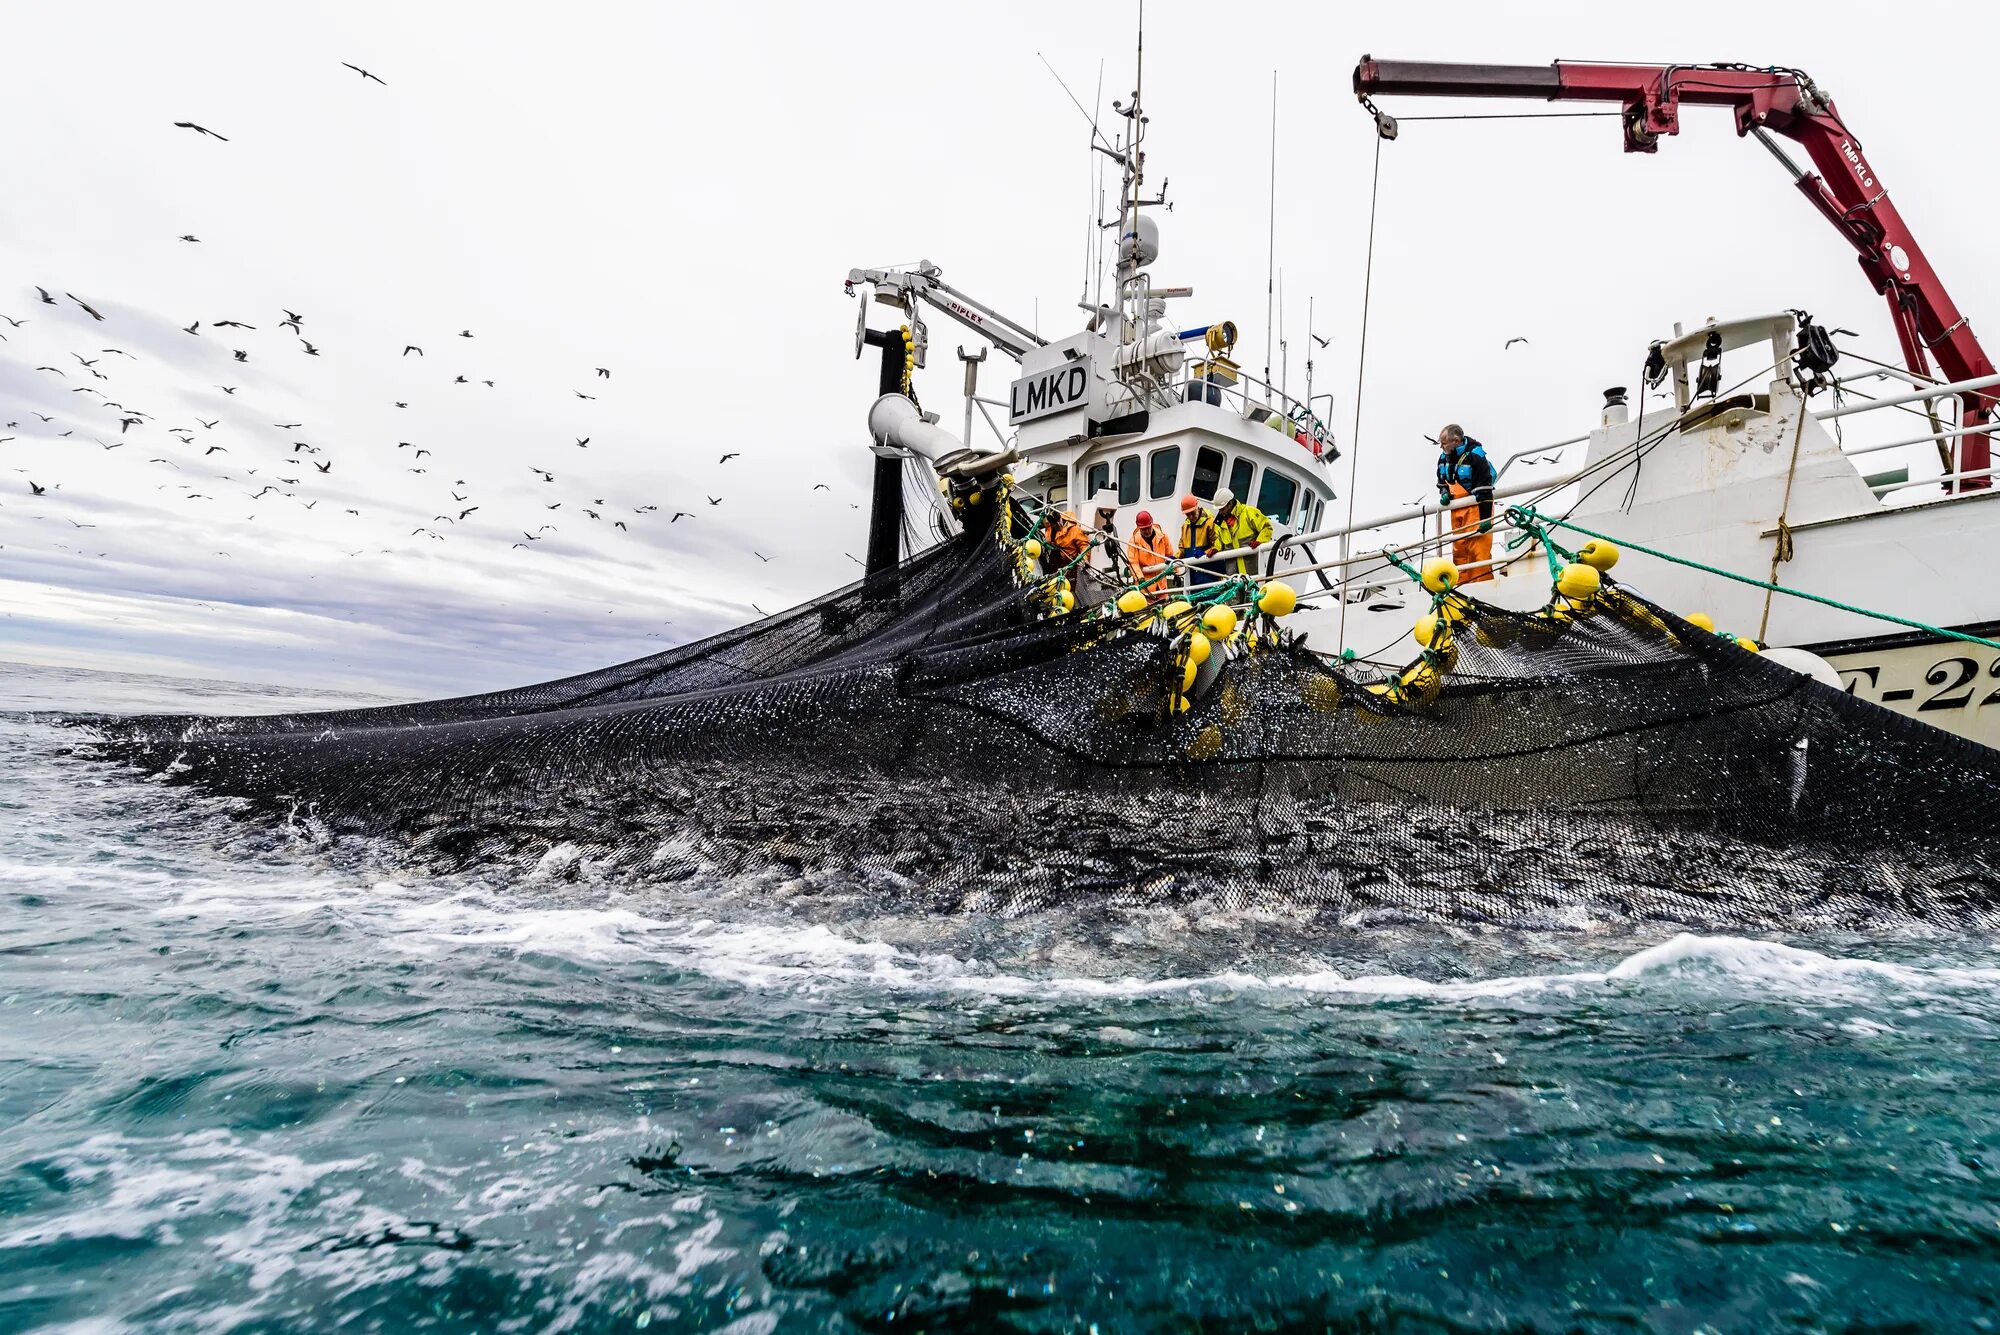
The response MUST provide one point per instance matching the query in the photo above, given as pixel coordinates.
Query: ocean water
(248, 1084)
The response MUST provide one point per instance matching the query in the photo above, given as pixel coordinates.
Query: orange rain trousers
(1471, 550)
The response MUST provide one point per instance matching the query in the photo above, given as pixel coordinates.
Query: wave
(781, 955)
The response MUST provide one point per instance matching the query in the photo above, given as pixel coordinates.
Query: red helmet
(1145, 519)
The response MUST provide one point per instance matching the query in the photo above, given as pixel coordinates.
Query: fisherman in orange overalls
(1464, 471)
(1148, 552)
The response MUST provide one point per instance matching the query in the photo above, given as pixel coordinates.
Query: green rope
(1527, 513)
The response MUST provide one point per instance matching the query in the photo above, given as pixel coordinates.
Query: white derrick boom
(909, 285)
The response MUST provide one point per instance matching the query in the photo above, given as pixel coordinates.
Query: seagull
(587, 510)
(556, 506)
(45, 417)
(402, 405)
(326, 467)
(227, 389)
(293, 319)
(604, 373)
(241, 355)
(409, 348)
(761, 557)
(88, 308)
(192, 328)
(620, 524)
(47, 300)
(12, 321)
(124, 422)
(190, 238)
(299, 445)
(62, 373)
(581, 395)
(311, 351)
(1512, 341)
(461, 381)
(468, 510)
(282, 426)
(465, 333)
(79, 357)
(714, 500)
(233, 324)
(208, 425)
(363, 73)
(200, 129)
(680, 515)
(546, 475)
(36, 488)
(421, 453)
(819, 486)
(213, 448)
(738, 454)
(583, 443)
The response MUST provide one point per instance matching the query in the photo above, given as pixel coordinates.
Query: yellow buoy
(1131, 601)
(1220, 621)
(1578, 581)
(1440, 575)
(1199, 648)
(1032, 549)
(1066, 600)
(1598, 554)
(1745, 642)
(1187, 676)
(1701, 621)
(1206, 744)
(1426, 629)
(1321, 695)
(1278, 599)
(1174, 611)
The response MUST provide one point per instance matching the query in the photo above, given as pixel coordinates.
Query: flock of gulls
(283, 460)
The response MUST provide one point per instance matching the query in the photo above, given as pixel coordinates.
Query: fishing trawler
(1754, 507)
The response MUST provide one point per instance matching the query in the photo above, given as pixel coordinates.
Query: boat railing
(1935, 402)
(1254, 400)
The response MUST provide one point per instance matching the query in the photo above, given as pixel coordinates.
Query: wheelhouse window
(1207, 472)
(1240, 474)
(1096, 480)
(1278, 497)
(1165, 468)
(1128, 480)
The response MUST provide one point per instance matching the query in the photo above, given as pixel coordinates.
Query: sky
(675, 194)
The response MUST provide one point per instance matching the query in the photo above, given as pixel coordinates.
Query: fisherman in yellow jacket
(1239, 525)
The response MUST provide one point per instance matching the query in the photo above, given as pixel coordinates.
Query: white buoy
(1807, 662)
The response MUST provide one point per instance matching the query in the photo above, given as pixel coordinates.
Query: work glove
(1252, 544)
(1485, 526)
(1444, 498)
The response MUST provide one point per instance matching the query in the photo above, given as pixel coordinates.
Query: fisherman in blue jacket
(1464, 471)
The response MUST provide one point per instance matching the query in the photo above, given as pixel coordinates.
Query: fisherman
(1464, 471)
(1063, 540)
(1106, 563)
(1239, 525)
(1197, 539)
(1149, 552)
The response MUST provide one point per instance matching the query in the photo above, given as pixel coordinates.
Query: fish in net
(933, 734)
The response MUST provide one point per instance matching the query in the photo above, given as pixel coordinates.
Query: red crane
(1846, 190)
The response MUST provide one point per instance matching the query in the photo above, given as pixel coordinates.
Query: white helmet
(1224, 499)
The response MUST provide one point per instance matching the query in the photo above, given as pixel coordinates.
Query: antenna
(1271, 238)
(1284, 347)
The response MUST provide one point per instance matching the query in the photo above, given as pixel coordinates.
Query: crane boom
(923, 283)
(1844, 187)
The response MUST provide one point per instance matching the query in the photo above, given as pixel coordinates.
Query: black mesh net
(933, 732)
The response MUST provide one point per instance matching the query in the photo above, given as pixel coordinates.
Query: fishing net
(934, 733)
